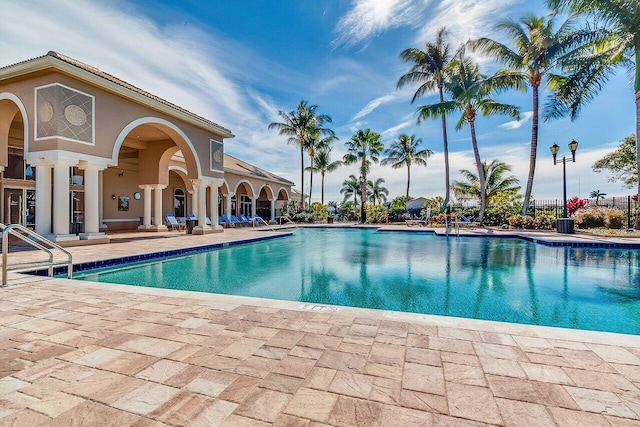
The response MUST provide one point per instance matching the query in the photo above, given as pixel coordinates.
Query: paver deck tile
(79, 353)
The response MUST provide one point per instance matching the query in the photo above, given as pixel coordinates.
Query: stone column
(91, 204)
(253, 207)
(43, 198)
(273, 210)
(195, 198)
(200, 187)
(214, 207)
(146, 200)
(157, 208)
(228, 204)
(103, 226)
(61, 218)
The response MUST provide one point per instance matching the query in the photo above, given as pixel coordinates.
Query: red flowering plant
(634, 197)
(574, 204)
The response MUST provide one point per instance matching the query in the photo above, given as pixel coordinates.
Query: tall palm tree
(429, 69)
(539, 50)
(495, 183)
(297, 124)
(351, 187)
(470, 92)
(313, 143)
(622, 18)
(365, 147)
(322, 163)
(377, 192)
(404, 152)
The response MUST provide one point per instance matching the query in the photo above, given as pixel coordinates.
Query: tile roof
(122, 83)
(233, 164)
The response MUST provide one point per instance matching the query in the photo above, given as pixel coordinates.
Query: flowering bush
(574, 204)
(598, 216)
(614, 219)
(540, 222)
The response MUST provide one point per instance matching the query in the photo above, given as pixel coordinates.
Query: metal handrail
(258, 219)
(27, 235)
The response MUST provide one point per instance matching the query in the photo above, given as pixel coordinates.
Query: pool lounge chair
(236, 221)
(422, 221)
(245, 220)
(172, 222)
(226, 222)
(464, 221)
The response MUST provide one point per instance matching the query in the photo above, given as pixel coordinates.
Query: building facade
(82, 151)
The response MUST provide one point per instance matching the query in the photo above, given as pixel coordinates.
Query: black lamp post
(573, 146)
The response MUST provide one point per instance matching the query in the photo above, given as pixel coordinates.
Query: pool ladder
(37, 241)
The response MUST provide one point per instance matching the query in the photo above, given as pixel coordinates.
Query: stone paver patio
(82, 353)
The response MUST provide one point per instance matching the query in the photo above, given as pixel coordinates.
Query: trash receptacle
(329, 220)
(190, 224)
(565, 225)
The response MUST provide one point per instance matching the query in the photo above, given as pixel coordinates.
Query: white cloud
(393, 131)
(465, 20)
(368, 18)
(516, 124)
(372, 105)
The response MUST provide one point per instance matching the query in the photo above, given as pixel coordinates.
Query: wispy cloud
(372, 105)
(393, 131)
(368, 18)
(465, 20)
(516, 124)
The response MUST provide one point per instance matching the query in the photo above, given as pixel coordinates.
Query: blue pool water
(509, 280)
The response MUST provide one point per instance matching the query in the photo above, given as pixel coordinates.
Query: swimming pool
(500, 279)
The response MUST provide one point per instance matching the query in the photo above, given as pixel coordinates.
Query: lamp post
(565, 224)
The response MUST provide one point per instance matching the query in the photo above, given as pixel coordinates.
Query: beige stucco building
(82, 152)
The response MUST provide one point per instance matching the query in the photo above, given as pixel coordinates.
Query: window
(179, 203)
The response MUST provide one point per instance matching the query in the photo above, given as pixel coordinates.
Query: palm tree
(322, 163)
(622, 18)
(539, 50)
(351, 187)
(429, 69)
(470, 92)
(364, 146)
(496, 183)
(313, 143)
(404, 152)
(596, 194)
(297, 125)
(377, 193)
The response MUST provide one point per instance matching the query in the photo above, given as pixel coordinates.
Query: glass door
(13, 206)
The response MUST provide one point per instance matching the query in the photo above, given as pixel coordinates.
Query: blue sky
(239, 62)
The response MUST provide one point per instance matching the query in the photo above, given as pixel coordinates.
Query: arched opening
(263, 204)
(155, 154)
(241, 202)
(281, 200)
(17, 198)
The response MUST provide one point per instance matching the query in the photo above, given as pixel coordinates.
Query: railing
(260, 219)
(37, 241)
(285, 218)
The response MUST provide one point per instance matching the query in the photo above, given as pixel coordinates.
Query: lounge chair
(245, 220)
(464, 221)
(226, 222)
(236, 221)
(172, 222)
(256, 220)
(422, 221)
(207, 220)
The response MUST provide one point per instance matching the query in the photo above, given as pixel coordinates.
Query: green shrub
(376, 214)
(614, 219)
(590, 217)
(320, 212)
(543, 222)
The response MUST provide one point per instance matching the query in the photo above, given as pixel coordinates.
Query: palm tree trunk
(408, 180)
(445, 144)
(363, 191)
(637, 223)
(533, 152)
(322, 188)
(301, 174)
(481, 177)
(310, 181)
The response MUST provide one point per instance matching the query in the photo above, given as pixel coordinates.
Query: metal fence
(554, 206)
